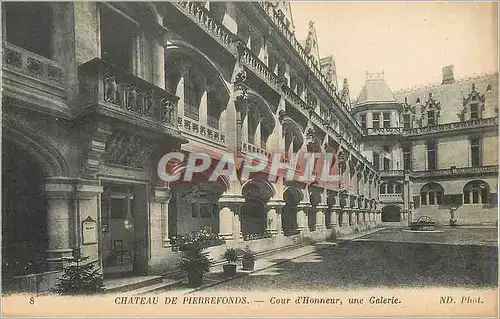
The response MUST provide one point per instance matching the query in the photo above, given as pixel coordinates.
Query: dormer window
(376, 120)
(387, 119)
(406, 121)
(474, 111)
(430, 118)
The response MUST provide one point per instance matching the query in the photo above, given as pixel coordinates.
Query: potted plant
(248, 259)
(195, 262)
(231, 258)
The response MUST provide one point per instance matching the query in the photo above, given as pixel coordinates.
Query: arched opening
(292, 197)
(476, 192)
(24, 215)
(431, 194)
(254, 221)
(199, 83)
(391, 213)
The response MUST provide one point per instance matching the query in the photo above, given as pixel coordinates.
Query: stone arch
(258, 188)
(293, 195)
(431, 194)
(254, 211)
(476, 192)
(181, 48)
(180, 168)
(391, 213)
(34, 144)
(292, 131)
(263, 107)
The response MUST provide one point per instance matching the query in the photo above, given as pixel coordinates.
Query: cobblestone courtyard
(389, 258)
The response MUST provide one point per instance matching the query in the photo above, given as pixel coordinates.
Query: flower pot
(195, 279)
(248, 264)
(229, 270)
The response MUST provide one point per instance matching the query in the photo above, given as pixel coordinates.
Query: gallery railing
(32, 64)
(117, 93)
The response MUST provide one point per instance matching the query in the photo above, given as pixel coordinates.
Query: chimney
(448, 76)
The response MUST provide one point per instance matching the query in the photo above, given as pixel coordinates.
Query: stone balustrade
(259, 67)
(117, 93)
(475, 171)
(194, 127)
(485, 122)
(198, 13)
(31, 64)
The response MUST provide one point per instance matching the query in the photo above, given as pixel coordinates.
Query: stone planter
(195, 279)
(229, 270)
(248, 264)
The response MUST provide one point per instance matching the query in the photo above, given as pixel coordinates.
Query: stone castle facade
(95, 93)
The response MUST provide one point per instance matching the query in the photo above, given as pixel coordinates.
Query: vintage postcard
(254, 159)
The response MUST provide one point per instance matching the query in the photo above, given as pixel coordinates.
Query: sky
(409, 42)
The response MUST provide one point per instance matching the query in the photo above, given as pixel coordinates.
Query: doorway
(124, 230)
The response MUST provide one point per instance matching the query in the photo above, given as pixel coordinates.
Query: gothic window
(29, 26)
(387, 164)
(363, 121)
(431, 194)
(387, 119)
(397, 189)
(406, 121)
(376, 120)
(192, 96)
(407, 157)
(474, 111)
(475, 150)
(117, 50)
(431, 155)
(376, 161)
(430, 118)
(476, 192)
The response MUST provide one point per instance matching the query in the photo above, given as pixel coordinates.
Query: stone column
(333, 219)
(229, 217)
(360, 218)
(302, 220)
(60, 224)
(159, 63)
(161, 198)
(345, 219)
(274, 225)
(320, 217)
(69, 203)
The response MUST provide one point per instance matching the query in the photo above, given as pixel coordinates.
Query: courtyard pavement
(392, 258)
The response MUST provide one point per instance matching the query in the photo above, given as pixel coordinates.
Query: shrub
(230, 255)
(248, 254)
(80, 279)
(195, 260)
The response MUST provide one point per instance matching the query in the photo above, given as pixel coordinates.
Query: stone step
(165, 285)
(126, 284)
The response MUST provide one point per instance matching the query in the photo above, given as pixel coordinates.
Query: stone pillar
(360, 218)
(69, 203)
(159, 209)
(345, 219)
(354, 218)
(274, 225)
(333, 219)
(60, 226)
(320, 217)
(229, 217)
(302, 220)
(159, 63)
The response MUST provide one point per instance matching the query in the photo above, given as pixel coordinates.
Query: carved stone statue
(110, 89)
